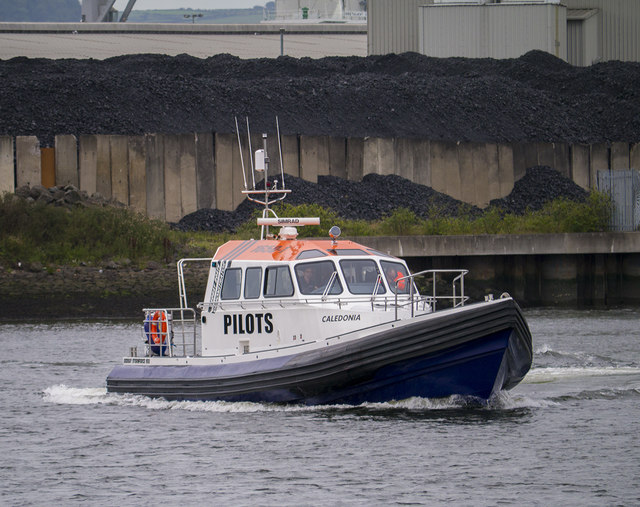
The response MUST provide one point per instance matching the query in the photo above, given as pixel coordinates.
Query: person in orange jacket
(394, 276)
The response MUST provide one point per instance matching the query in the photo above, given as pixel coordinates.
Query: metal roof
(288, 250)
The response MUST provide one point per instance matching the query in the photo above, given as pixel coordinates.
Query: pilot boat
(322, 321)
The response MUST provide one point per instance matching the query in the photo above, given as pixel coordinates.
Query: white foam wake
(538, 375)
(65, 395)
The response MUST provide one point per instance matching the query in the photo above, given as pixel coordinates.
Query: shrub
(34, 232)
(401, 222)
(48, 234)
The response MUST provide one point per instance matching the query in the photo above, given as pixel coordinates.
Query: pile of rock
(536, 97)
(540, 185)
(377, 196)
(64, 195)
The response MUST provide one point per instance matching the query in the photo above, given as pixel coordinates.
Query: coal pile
(376, 196)
(540, 185)
(371, 199)
(536, 97)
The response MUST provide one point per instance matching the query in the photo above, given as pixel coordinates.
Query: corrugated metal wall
(619, 27)
(393, 26)
(623, 187)
(493, 30)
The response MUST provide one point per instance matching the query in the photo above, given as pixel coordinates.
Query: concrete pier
(583, 270)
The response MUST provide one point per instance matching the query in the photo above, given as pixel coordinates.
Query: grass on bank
(38, 233)
(35, 232)
(560, 215)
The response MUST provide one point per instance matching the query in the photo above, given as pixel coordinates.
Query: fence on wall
(168, 176)
(623, 187)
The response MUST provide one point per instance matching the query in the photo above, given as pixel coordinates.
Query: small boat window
(310, 254)
(361, 276)
(252, 279)
(278, 282)
(381, 254)
(231, 284)
(393, 271)
(349, 251)
(313, 278)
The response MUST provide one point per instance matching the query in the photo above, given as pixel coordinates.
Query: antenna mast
(262, 166)
(270, 194)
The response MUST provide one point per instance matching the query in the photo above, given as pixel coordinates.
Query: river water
(570, 434)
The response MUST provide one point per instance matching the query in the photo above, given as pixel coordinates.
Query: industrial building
(285, 11)
(582, 32)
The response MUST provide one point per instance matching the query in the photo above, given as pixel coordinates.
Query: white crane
(97, 11)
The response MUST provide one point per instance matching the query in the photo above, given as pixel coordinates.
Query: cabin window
(310, 254)
(381, 254)
(349, 251)
(313, 278)
(392, 272)
(231, 284)
(252, 280)
(361, 276)
(278, 282)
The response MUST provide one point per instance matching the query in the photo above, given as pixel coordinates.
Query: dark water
(569, 435)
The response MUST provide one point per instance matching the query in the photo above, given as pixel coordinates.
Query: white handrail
(182, 290)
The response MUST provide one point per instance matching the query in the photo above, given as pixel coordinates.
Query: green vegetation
(55, 235)
(50, 235)
(561, 215)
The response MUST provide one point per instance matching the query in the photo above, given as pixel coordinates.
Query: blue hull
(471, 370)
(474, 352)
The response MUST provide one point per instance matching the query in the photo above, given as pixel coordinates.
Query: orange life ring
(158, 327)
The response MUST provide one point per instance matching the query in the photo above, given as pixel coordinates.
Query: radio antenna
(244, 176)
(253, 171)
(280, 152)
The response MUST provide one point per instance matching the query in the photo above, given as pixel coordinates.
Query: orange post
(48, 167)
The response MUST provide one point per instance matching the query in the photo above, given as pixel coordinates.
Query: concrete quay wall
(168, 176)
(572, 270)
(583, 270)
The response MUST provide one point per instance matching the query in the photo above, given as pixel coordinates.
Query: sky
(186, 4)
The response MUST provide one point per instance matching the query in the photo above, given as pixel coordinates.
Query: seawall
(582, 270)
(574, 270)
(144, 172)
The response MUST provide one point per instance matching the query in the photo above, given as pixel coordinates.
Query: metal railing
(182, 288)
(623, 188)
(170, 332)
(457, 297)
(411, 299)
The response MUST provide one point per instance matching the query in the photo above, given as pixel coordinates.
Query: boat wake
(544, 355)
(553, 374)
(503, 401)
(626, 378)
